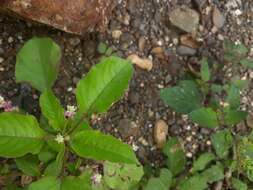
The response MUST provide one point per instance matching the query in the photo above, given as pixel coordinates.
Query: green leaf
(46, 154)
(202, 161)
(29, 165)
(67, 183)
(183, 98)
(103, 85)
(240, 84)
(176, 157)
(205, 117)
(19, 135)
(217, 88)
(82, 182)
(238, 184)
(122, 176)
(166, 177)
(233, 97)
(155, 183)
(213, 174)
(95, 145)
(234, 52)
(55, 168)
(233, 117)
(46, 183)
(196, 182)
(248, 63)
(204, 70)
(52, 110)
(109, 51)
(222, 141)
(37, 63)
(245, 156)
(102, 47)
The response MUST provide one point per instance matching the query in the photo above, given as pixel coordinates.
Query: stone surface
(185, 51)
(128, 128)
(143, 63)
(160, 133)
(74, 16)
(188, 40)
(185, 18)
(218, 18)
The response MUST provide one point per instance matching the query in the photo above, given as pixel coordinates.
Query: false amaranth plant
(43, 148)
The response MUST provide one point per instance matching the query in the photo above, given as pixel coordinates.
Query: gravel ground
(147, 29)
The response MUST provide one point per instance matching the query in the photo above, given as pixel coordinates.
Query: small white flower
(71, 111)
(59, 139)
(96, 179)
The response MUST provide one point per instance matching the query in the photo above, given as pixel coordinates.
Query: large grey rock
(185, 18)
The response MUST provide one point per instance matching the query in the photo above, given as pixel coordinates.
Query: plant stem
(82, 119)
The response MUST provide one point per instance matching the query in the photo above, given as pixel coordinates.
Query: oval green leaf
(37, 63)
(103, 85)
(52, 110)
(19, 135)
(95, 145)
(183, 98)
(205, 117)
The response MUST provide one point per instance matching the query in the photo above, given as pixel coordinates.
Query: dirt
(143, 25)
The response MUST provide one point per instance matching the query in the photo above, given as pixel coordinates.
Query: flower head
(96, 179)
(59, 139)
(71, 111)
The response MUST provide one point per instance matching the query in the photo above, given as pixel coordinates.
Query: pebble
(142, 63)
(188, 40)
(218, 18)
(189, 155)
(128, 128)
(160, 133)
(185, 18)
(143, 141)
(116, 34)
(10, 39)
(141, 44)
(74, 41)
(1, 60)
(185, 51)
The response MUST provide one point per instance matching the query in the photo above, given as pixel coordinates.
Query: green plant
(43, 148)
(215, 106)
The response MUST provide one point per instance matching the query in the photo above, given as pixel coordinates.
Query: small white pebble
(1, 59)
(69, 89)
(251, 75)
(10, 39)
(135, 147)
(208, 142)
(189, 155)
(189, 139)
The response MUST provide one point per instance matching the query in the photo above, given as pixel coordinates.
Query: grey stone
(218, 18)
(185, 18)
(186, 51)
(128, 128)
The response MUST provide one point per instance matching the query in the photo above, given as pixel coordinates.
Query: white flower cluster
(71, 111)
(96, 179)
